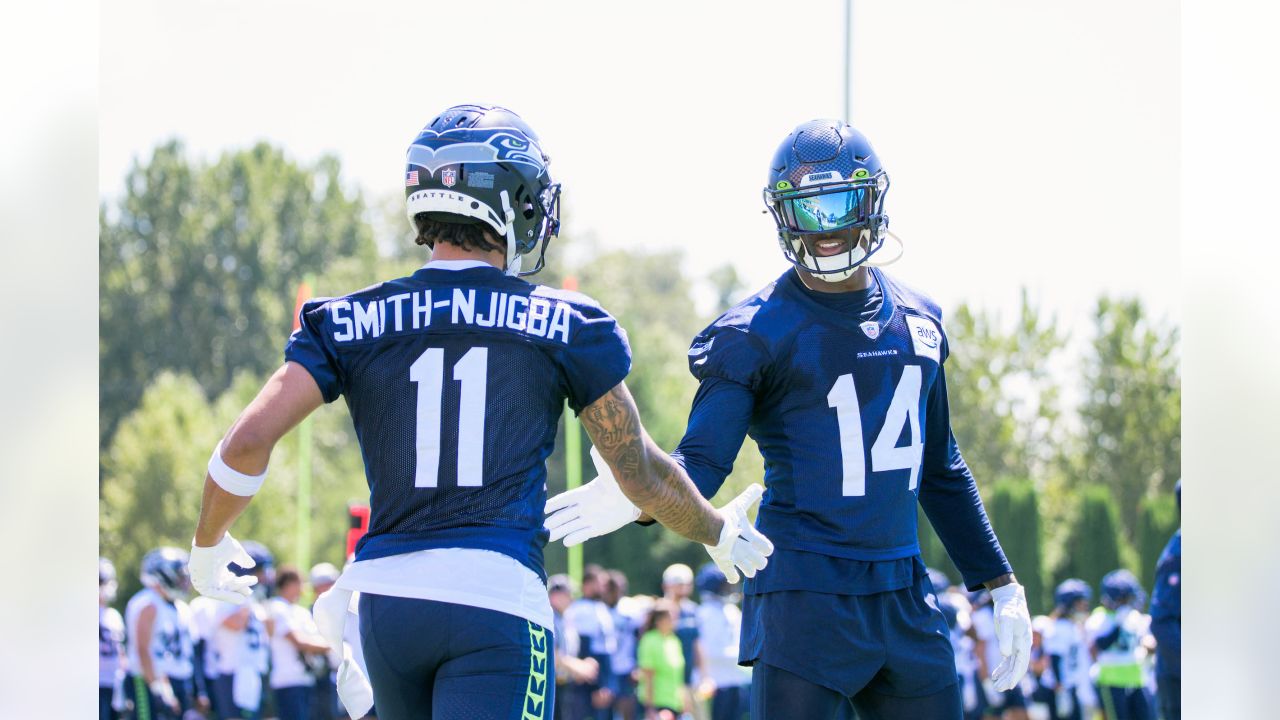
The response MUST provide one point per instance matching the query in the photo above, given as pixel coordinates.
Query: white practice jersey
(1064, 637)
(719, 627)
(288, 668)
(170, 648)
(234, 649)
(110, 646)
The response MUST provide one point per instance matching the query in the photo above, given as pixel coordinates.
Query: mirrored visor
(828, 211)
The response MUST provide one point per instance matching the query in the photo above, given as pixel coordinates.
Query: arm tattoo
(646, 475)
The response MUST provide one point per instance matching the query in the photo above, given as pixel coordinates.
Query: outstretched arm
(650, 478)
(289, 396)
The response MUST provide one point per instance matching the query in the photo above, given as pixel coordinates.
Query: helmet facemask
(854, 207)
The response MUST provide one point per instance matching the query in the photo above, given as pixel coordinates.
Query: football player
(294, 638)
(836, 370)
(1120, 638)
(456, 377)
(111, 662)
(159, 630)
(1064, 644)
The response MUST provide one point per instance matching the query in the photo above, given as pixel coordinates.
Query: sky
(1030, 145)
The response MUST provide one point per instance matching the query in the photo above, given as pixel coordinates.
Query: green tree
(199, 264)
(1095, 545)
(1015, 516)
(1132, 408)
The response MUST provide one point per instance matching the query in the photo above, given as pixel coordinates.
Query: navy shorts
(434, 659)
(894, 643)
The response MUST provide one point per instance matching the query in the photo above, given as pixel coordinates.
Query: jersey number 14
(885, 453)
(427, 372)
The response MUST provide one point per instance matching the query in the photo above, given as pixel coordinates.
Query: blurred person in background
(1010, 704)
(456, 378)
(598, 640)
(241, 641)
(627, 623)
(677, 590)
(294, 638)
(570, 668)
(955, 608)
(1120, 640)
(158, 626)
(1066, 650)
(660, 661)
(111, 658)
(719, 627)
(1166, 624)
(324, 696)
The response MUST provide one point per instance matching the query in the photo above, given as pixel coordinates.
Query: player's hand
(741, 546)
(1013, 631)
(595, 509)
(163, 691)
(210, 575)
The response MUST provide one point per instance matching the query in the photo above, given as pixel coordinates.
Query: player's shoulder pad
(590, 314)
(919, 303)
(740, 343)
(907, 297)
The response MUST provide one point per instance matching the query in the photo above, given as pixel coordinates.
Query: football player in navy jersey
(455, 378)
(836, 370)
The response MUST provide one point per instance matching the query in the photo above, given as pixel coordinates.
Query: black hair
(468, 236)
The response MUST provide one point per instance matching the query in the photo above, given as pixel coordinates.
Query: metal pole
(573, 464)
(848, 61)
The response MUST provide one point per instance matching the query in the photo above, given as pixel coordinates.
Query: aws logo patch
(926, 339)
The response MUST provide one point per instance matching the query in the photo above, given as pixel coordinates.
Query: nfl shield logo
(449, 177)
(871, 329)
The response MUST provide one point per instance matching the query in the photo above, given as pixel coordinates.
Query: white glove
(210, 575)
(1013, 631)
(741, 546)
(595, 509)
(163, 691)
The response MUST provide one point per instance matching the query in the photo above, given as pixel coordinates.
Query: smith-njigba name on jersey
(356, 320)
(456, 380)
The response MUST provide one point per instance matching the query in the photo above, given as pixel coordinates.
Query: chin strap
(509, 216)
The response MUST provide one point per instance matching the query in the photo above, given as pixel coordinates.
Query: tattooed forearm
(647, 476)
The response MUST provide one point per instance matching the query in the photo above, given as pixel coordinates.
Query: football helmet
(484, 164)
(1120, 587)
(264, 567)
(711, 580)
(824, 179)
(1071, 591)
(165, 569)
(107, 584)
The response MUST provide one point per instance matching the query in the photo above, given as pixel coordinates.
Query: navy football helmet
(1120, 587)
(165, 569)
(1070, 591)
(711, 580)
(825, 179)
(484, 164)
(265, 564)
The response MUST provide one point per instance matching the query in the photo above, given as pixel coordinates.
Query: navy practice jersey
(851, 417)
(456, 380)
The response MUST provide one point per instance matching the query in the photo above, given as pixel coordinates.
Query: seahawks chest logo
(471, 145)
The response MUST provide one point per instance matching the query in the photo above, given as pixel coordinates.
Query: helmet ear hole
(525, 203)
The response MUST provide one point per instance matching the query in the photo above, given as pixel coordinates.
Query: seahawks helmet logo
(482, 145)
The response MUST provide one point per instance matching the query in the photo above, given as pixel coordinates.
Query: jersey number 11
(885, 453)
(427, 372)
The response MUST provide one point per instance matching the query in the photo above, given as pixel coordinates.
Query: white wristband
(232, 480)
